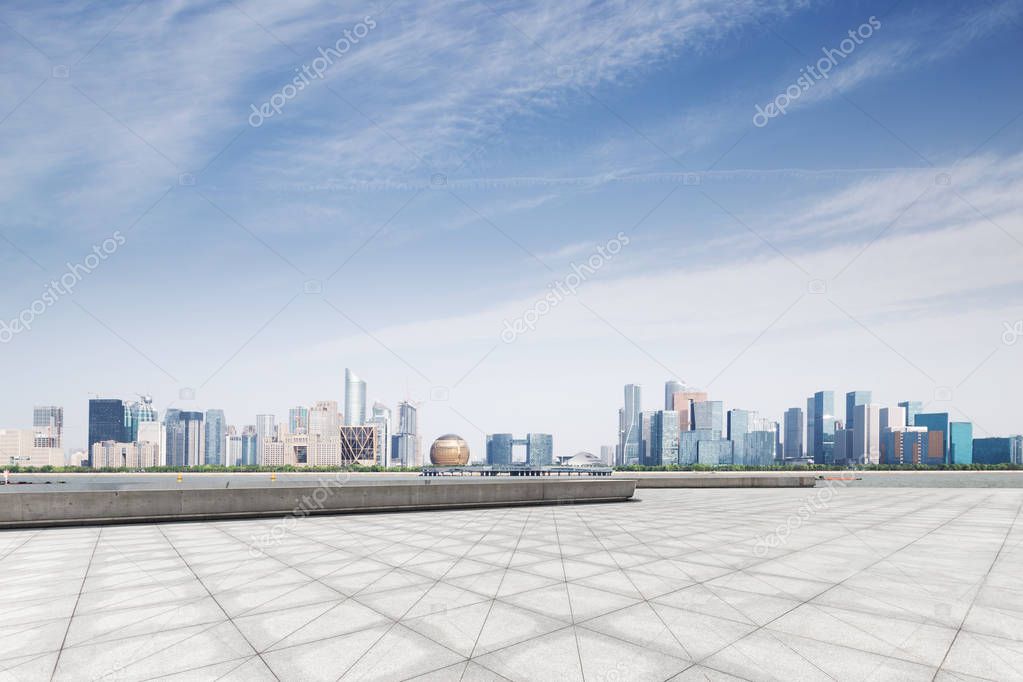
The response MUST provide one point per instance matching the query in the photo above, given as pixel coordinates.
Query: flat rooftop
(843, 583)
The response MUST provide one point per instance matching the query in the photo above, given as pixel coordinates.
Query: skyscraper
(216, 439)
(823, 435)
(629, 436)
(866, 434)
(138, 412)
(852, 399)
(250, 451)
(738, 427)
(794, 426)
(682, 402)
(539, 449)
(960, 450)
(670, 389)
(107, 421)
(709, 414)
(298, 420)
(912, 408)
(322, 421)
(48, 426)
(405, 444)
(186, 438)
(355, 399)
(266, 429)
(381, 419)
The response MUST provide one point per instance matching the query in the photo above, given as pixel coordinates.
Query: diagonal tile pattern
(875, 584)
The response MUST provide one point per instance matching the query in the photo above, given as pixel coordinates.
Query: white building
(866, 436)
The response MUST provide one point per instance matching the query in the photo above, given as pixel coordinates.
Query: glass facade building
(629, 436)
(1007, 450)
(852, 399)
(960, 443)
(108, 420)
(216, 438)
(795, 423)
(823, 432)
(912, 408)
(355, 399)
(539, 449)
(499, 449)
(709, 414)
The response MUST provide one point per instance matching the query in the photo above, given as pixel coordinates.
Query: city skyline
(624, 213)
(700, 414)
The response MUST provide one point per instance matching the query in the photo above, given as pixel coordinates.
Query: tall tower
(670, 389)
(630, 427)
(355, 399)
(107, 419)
(216, 438)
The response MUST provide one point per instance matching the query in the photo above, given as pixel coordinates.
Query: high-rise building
(670, 389)
(355, 399)
(866, 447)
(912, 408)
(298, 419)
(823, 435)
(960, 443)
(499, 449)
(381, 419)
(738, 426)
(660, 430)
(682, 402)
(186, 438)
(844, 449)
(852, 399)
(48, 425)
(810, 427)
(607, 454)
(250, 447)
(409, 443)
(266, 430)
(539, 449)
(107, 421)
(215, 439)
(794, 428)
(709, 414)
(998, 450)
(629, 436)
(322, 421)
(936, 423)
(234, 449)
(138, 412)
(891, 418)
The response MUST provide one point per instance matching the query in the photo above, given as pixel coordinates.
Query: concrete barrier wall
(19, 510)
(722, 481)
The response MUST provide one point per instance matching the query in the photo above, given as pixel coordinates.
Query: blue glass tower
(960, 439)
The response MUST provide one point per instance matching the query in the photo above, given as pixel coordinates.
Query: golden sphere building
(449, 450)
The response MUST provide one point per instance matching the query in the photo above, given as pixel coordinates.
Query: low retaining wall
(28, 509)
(723, 481)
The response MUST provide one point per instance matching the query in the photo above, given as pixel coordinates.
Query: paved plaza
(842, 584)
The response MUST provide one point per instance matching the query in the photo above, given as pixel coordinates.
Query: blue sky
(459, 157)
